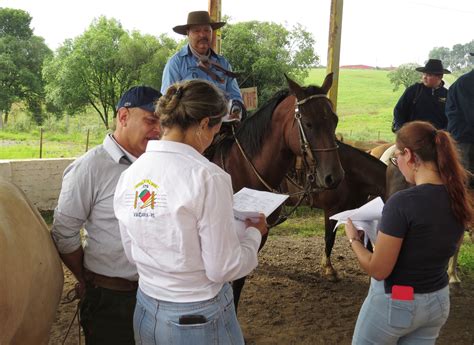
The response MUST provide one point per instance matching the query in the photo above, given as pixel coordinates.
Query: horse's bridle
(306, 148)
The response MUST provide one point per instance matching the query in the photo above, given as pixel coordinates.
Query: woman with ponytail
(177, 225)
(421, 227)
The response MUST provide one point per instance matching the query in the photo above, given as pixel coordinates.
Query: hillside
(365, 103)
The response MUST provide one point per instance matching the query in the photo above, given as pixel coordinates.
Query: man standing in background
(460, 114)
(424, 101)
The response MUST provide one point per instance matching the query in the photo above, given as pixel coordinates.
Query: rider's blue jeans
(157, 322)
(385, 321)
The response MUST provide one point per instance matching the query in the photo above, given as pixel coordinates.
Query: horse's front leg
(453, 267)
(237, 286)
(329, 238)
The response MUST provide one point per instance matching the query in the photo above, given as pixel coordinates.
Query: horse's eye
(308, 124)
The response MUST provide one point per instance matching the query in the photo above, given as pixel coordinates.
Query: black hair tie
(179, 92)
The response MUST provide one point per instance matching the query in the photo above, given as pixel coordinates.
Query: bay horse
(364, 179)
(295, 122)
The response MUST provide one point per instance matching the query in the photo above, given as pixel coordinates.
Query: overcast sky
(374, 32)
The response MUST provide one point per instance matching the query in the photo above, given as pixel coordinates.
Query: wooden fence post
(87, 140)
(41, 142)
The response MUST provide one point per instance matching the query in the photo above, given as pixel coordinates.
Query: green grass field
(365, 103)
(21, 140)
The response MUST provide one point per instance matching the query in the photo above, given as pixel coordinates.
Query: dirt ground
(287, 300)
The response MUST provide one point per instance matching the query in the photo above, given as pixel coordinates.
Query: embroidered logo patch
(145, 198)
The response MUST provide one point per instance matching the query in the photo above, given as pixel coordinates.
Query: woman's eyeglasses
(394, 161)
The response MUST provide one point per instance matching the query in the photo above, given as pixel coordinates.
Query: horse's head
(316, 122)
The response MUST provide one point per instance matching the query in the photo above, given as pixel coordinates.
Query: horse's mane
(251, 132)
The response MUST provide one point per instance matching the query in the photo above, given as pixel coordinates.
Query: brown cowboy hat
(197, 18)
(433, 66)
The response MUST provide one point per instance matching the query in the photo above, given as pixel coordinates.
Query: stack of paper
(366, 218)
(248, 203)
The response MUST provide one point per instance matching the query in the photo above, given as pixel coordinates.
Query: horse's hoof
(331, 274)
(454, 280)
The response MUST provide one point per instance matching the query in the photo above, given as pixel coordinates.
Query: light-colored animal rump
(30, 270)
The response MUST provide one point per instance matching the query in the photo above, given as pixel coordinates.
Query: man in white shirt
(107, 281)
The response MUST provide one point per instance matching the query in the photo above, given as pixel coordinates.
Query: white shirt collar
(116, 151)
(174, 146)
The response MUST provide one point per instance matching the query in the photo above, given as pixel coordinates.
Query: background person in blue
(197, 60)
(460, 114)
(424, 101)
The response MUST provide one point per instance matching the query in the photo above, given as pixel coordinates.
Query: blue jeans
(157, 322)
(385, 321)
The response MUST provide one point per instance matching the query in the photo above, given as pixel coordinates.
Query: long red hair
(432, 145)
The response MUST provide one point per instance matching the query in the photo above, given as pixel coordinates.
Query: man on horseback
(424, 101)
(197, 60)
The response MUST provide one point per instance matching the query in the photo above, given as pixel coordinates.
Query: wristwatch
(354, 239)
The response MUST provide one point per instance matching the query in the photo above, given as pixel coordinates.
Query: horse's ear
(327, 83)
(294, 88)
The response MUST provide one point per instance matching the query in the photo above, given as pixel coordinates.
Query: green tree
(405, 75)
(455, 59)
(21, 58)
(262, 52)
(95, 68)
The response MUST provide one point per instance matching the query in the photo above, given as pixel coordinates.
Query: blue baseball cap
(139, 97)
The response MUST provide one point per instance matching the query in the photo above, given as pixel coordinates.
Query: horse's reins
(306, 151)
(71, 296)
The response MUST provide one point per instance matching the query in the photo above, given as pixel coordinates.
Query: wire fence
(51, 143)
(48, 145)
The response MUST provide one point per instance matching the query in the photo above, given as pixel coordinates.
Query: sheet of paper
(248, 203)
(366, 218)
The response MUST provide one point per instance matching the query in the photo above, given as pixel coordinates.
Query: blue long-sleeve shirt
(184, 66)
(460, 109)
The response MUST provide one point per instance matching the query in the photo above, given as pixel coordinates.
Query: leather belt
(111, 283)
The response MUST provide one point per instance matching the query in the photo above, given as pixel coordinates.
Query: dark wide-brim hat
(433, 66)
(197, 18)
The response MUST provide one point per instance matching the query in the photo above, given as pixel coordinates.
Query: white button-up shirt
(86, 201)
(177, 225)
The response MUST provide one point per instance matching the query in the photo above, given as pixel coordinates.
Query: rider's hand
(235, 111)
(259, 223)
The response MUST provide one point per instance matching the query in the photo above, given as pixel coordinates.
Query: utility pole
(334, 47)
(215, 8)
